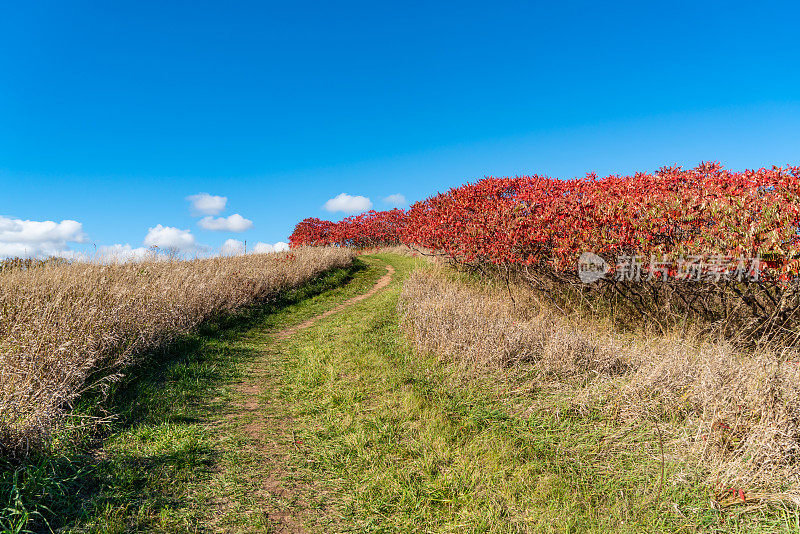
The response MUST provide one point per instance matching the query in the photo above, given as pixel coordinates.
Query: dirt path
(270, 432)
(380, 284)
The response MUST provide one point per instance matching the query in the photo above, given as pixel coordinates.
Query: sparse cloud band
(234, 247)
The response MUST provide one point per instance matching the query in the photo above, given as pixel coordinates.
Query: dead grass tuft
(65, 327)
(735, 413)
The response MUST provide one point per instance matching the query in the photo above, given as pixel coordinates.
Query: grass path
(377, 438)
(313, 415)
(275, 502)
(382, 282)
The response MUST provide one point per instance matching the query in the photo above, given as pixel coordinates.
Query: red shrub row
(312, 232)
(369, 229)
(532, 220)
(546, 222)
(536, 228)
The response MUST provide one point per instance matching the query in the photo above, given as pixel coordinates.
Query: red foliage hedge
(536, 228)
(536, 220)
(369, 229)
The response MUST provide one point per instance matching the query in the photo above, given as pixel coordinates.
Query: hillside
(289, 419)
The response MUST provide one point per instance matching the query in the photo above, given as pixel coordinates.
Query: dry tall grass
(400, 250)
(61, 324)
(736, 414)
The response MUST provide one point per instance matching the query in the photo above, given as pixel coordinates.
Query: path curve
(382, 282)
(271, 436)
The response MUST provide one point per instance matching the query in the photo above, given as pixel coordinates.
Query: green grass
(408, 445)
(356, 432)
(148, 468)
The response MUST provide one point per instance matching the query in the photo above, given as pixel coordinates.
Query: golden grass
(68, 327)
(734, 415)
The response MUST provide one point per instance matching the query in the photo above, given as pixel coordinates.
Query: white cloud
(167, 237)
(266, 248)
(397, 200)
(234, 223)
(38, 239)
(232, 247)
(348, 204)
(123, 253)
(207, 204)
(19, 231)
(28, 250)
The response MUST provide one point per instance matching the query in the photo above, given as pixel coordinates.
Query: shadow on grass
(149, 436)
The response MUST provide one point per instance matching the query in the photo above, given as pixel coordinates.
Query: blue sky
(113, 113)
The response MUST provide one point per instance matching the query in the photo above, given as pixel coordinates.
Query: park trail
(270, 433)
